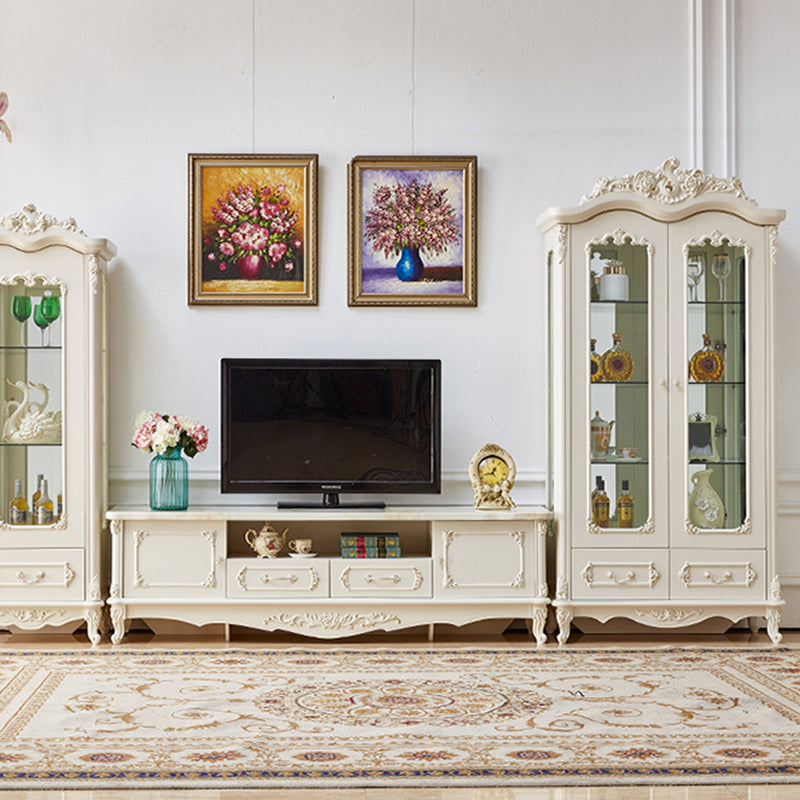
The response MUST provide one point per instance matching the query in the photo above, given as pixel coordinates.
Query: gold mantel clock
(492, 472)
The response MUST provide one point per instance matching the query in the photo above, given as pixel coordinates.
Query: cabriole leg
(538, 620)
(774, 624)
(564, 619)
(118, 620)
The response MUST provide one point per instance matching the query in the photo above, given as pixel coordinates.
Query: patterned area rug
(308, 717)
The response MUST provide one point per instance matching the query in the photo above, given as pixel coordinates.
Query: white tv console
(459, 565)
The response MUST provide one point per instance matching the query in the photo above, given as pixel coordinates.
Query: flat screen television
(331, 426)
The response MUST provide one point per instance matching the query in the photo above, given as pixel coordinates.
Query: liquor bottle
(617, 363)
(706, 365)
(18, 508)
(43, 511)
(59, 505)
(38, 493)
(625, 508)
(600, 505)
(597, 481)
(595, 367)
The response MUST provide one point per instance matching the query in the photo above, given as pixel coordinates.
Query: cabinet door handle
(677, 384)
(724, 578)
(276, 578)
(663, 383)
(37, 578)
(385, 578)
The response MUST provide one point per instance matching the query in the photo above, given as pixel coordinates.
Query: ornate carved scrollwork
(30, 220)
(562, 235)
(670, 615)
(745, 529)
(593, 528)
(332, 620)
(669, 184)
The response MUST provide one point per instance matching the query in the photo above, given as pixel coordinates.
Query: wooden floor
(444, 638)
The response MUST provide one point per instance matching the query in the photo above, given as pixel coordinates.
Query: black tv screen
(331, 426)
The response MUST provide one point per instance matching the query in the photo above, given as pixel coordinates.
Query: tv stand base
(459, 566)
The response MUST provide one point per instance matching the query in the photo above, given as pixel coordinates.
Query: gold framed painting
(412, 230)
(252, 229)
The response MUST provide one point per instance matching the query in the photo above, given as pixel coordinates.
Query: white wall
(107, 97)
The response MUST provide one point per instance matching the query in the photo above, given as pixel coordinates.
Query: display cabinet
(661, 437)
(52, 448)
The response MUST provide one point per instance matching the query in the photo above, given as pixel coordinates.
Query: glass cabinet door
(619, 385)
(31, 375)
(716, 420)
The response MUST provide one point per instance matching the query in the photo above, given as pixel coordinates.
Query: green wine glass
(39, 319)
(21, 310)
(51, 308)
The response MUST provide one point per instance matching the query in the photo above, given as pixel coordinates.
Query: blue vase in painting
(410, 266)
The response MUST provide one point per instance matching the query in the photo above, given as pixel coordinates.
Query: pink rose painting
(253, 236)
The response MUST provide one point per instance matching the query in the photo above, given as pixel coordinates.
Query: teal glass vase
(169, 481)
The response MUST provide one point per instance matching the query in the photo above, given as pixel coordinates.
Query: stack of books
(370, 545)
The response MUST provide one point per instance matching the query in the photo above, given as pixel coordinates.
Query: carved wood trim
(669, 184)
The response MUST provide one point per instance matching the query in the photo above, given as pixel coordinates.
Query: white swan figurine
(27, 422)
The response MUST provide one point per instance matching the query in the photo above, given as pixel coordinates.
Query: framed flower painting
(252, 229)
(412, 226)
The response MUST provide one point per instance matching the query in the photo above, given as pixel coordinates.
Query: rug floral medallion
(252, 718)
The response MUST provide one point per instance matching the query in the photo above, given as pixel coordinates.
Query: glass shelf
(29, 347)
(641, 303)
(31, 393)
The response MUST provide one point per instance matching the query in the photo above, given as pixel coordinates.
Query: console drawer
(392, 577)
(253, 577)
(31, 575)
(723, 574)
(617, 574)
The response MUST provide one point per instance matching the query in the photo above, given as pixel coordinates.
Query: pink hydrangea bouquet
(158, 432)
(255, 222)
(410, 215)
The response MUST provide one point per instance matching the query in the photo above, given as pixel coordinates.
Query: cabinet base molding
(53, 619)
(671, 615)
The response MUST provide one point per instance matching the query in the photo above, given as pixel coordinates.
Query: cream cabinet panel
(661, 407)
(620, 574)
(174, 560)
(718, 574)
(372, 577)
(492, 559)
(53, 389)
(250, 577)
(42, 574)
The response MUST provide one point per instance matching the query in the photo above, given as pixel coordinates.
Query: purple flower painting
(412, 231)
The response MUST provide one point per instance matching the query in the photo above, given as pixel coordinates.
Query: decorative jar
(169, 481)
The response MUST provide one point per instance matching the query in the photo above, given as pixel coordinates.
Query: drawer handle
(382, 578)
(276, 578)
(726, 576)
(37, 578)
(630, 577)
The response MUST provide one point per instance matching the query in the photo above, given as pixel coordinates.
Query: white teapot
(267, 542)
